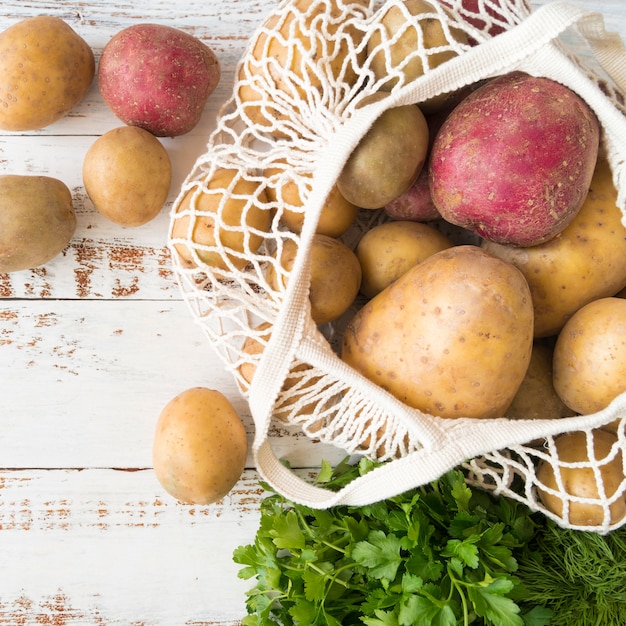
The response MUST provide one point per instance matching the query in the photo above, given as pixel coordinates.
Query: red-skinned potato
(513, 161)
(157, 77)
(416, 203)
(200, 446)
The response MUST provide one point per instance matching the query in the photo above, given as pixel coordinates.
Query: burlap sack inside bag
(301, 102)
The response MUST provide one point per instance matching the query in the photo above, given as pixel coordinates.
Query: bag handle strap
(478, 437)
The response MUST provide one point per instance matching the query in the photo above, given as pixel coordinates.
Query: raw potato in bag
(302, 100)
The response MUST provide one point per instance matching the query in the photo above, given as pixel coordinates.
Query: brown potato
(451, 337)
(200, 446)
(388, 250)
(387, 160)
(335, 276)
(194, 232)
(585, 262)
(536, 398)
(580, 482)
(404, 37)
(590, 356)
(37, 220)
(336, 216)
(296, 52)
(46, 70)
(127, 174)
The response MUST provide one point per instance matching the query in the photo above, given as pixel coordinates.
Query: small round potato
(46, 70)
(387, 160)
(335, 276)
(336, 216)
(127, 174)
(580, 482)
(388, 250)
(200, 446)
(590, 356)
(37, 220)
(199, 239)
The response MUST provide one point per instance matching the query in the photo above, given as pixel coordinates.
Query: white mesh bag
(296, 113)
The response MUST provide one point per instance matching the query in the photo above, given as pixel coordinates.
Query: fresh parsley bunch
(441, 555)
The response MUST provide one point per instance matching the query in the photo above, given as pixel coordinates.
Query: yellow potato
(46, 70)
(388, 250)
(451, 337)
(195, 225)
(298, 52)
(127, 174)
(536, 398)
(200, 446)
(336, 216)
(335, 276)
(37, 220)
(580, 482)
(585, 262)
(590, 356)
(404, 36)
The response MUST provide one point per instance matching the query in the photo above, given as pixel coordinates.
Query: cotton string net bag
(301, 101)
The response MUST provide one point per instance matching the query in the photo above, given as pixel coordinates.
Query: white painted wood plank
(83, 382)
(106, 547)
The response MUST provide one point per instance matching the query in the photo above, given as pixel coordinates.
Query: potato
(590, 356)
(287, 53)
(200, 446)
(195, 236)
(451, 337)
(585, 262)
(46, 70)
(335, 276)
(388, 250)
(127, 174)
(387, 160)
(580, 482)
(536, 397)
(158, 78)
(336, 216)
(403, 36)
(416, 203)
(513, 161)
(37, 220)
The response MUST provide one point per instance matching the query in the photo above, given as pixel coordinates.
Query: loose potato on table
(451, 337)
(37, 220)
(127, 174)
(46, 70)
(158, 77)
(200, 446)
(388, 250)
(585, 262)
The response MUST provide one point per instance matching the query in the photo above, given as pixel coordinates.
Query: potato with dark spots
(200, 446)
(158, 77)
(513, 161)
(585, 262)
(452, 337)
(46, 70)
(37, 220)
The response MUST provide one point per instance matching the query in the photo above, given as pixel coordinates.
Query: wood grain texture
(92, 346)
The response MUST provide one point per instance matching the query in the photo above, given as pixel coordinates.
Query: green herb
(581, 576)
(441, 555)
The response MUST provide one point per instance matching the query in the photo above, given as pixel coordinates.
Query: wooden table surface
(92, 346)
